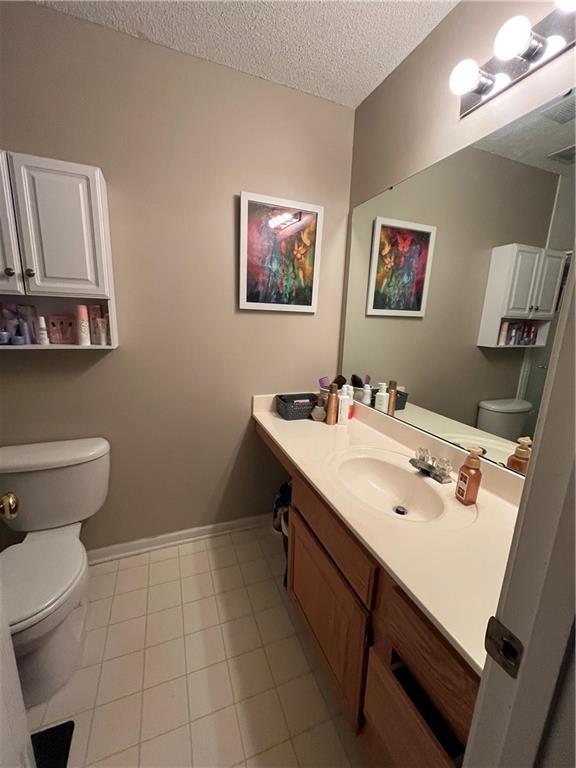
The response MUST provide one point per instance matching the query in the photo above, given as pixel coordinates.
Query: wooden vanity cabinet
(406, 691)
(334, 615)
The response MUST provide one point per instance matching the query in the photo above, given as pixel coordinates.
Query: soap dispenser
(469, 477)
(381, 403)
(518, 461)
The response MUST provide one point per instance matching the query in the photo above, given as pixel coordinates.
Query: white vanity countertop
(453, 573)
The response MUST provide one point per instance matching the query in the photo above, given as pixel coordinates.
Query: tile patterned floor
(192, 658)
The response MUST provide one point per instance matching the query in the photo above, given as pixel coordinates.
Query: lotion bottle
(469, 477)
(367, 395)
(518, 461)
(381, 403)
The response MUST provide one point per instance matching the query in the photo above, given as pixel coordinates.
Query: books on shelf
(518, 333)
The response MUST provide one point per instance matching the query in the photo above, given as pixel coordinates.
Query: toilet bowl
(45, 578)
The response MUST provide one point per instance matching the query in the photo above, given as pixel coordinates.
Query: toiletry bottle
(343, 401)
(469, 477)
(367, 394)
(82, 325)
(332, 405)
(43, 332)
(350, 391)
(518, 460)
(392, 391)
(319, 411)
(381, 403)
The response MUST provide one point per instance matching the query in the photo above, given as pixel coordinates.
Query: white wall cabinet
(55, 237)
(523, 284)
(62, 219)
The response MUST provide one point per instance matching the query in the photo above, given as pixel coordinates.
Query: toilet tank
(56, 483)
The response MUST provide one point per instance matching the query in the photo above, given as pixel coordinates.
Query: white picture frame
(276, 204)
(397, 224)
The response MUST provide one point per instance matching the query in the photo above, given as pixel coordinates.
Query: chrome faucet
(435, 467)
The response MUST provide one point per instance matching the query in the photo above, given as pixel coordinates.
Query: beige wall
(178, 139)
(476, 201)
(411, 120)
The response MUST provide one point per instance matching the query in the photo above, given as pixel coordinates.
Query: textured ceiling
(536, 135)
(339, 50)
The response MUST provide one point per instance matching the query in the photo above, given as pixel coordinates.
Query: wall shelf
(41, 347)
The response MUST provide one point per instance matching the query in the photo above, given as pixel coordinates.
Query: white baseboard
(126, 548)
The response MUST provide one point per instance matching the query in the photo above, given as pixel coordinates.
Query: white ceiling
(336, 49)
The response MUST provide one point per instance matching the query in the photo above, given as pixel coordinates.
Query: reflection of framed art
(279, 253)
(400, 268)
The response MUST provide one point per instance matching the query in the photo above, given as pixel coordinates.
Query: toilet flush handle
(9, 506)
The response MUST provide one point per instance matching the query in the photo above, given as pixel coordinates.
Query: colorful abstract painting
(400, 268)
(279, 254)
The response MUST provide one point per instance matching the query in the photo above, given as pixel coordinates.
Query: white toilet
(45, 578)
(506, 418)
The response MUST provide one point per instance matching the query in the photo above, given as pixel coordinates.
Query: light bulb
(465, 77)
(513, 38)
(568, 6)
(554, 44)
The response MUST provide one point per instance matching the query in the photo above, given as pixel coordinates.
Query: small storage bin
(292, 407)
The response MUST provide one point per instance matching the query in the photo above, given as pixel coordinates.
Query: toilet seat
(39, 576)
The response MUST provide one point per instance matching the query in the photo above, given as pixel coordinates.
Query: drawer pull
(426, 709)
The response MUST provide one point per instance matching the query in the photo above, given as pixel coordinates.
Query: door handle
(9, 272)
(531, 308)
(537, 307)
(29, 272)
(542, 367)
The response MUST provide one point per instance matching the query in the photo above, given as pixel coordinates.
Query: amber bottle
(469, 477)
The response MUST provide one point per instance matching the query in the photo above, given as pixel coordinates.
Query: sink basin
(384, 481)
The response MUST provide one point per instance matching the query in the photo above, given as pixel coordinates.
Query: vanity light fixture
(519, 49)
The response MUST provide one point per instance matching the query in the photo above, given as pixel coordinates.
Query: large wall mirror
(456, 277)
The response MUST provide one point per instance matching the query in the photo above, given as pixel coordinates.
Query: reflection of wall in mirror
(476, 200)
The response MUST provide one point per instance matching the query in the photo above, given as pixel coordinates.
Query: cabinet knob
(9, 272)
(531, 307)
(29, 272)
(537, 307)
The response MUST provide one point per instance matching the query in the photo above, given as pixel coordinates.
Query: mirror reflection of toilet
(506, 417)
(57, 485)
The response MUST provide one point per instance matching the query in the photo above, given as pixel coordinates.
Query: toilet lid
(509, 405)
(37, 575)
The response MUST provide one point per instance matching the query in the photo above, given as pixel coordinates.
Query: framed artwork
(280, 243)
(400, 268)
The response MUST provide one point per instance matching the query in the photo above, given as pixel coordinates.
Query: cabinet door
(336, 618)
(524, 273)
(549, 281)
(10, 267)
(63, 226)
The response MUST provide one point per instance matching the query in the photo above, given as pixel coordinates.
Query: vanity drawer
(356, 565)
(449, 682)
(403, 723)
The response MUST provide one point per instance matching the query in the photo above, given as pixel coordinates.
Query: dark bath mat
(52, 746)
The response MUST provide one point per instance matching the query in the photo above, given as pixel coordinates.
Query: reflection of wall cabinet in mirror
(54, 236)
(521, 296)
